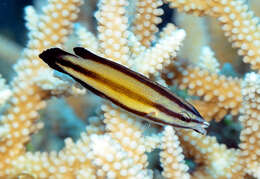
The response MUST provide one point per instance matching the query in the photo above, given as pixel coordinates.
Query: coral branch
(221, 93)
(128, 132)
(146, 19)
(87, 39)
(218, 161)
(155, 58)
(171, 156)
(113, 29)
(27, 97)
(250, 120)
(238, 23)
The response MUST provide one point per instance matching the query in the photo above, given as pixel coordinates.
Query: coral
(221, 93)
(27, 95)
(155, 58)
(249, 118)
(171, 156)
(239, 24)
(113, 30)
(116, 144)
(215, 159)
(207, 60)
(146, 19)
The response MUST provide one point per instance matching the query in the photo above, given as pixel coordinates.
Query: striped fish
(131, 91)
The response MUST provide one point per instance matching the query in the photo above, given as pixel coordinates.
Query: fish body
(131, 91)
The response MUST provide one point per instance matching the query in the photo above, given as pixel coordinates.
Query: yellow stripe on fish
(130, 90)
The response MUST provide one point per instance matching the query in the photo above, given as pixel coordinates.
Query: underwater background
(204, 51)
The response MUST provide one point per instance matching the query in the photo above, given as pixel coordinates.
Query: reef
(189, 55)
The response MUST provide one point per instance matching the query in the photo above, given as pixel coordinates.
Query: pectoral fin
(152, 114)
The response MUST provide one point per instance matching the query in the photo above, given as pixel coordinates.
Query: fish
(125, 88)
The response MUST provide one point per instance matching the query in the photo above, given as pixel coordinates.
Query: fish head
(193, 120)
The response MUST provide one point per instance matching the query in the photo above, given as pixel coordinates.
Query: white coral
(155, 58)
(57, 83)
(208, 61)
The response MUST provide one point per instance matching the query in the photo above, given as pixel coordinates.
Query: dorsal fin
(84, 53)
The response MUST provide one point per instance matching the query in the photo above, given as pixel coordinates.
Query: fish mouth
(200, 126)
(206, 124)
(202, 121)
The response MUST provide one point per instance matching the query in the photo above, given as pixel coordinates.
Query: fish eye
(185, 116)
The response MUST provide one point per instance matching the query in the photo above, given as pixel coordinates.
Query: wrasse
(131, 91)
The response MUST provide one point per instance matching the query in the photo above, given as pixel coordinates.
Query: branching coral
(146, 19)
(222, 93)
(249, 118)
(239, 24)
(172, 157)
(27, 96)
(115, 143)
